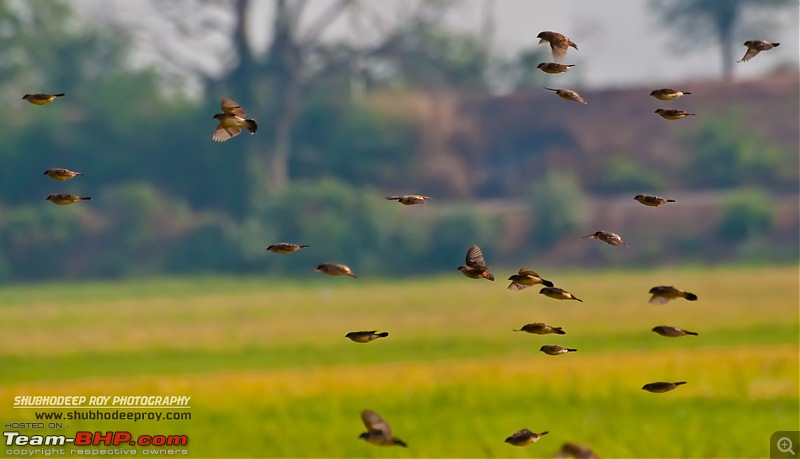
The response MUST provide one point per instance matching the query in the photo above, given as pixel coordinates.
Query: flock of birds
(232, 120)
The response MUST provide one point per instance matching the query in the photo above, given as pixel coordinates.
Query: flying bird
(554, 67)
(378, 431)
(670, 114)
(607, 237)
(334, 269)
(555, 349)
(527, 278)
(61, 174)
(664, 294)
(285, 247)
(651, 201)
(568, 94)
(524, 437)
(756, 46)
(409, 199)
(558, 294)
(232, 121)
(539, 328)
(668, 94)
(41, 99)
(65, 199)
(672, 332)
(661, 387)
(476, 267)
(576, 451)
(365, 336)
(559, 44)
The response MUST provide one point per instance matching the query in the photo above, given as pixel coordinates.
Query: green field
(271, 374)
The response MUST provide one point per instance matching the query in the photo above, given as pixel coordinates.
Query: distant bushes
(135, 229)
(728, 154)
(557, 207)
(357, 226)
(747, 213)
(625, 174)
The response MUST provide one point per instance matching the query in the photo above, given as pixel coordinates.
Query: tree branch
(324, 20)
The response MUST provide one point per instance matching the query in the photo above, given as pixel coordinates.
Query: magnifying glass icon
(784, 445)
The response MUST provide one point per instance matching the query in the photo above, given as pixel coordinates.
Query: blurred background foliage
(341, 127)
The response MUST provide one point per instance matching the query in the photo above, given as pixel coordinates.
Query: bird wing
(614, 239)
(751, 53)
(575, 96)
(374, 422)
(231, 107)
(222, 134)
(517, 286)
(559, 45)
(528, 272)
(475, 257)
(522, 433)
(658, 299)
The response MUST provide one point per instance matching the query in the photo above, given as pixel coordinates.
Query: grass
(271, 374)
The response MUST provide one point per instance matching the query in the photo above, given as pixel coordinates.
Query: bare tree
(271, 73)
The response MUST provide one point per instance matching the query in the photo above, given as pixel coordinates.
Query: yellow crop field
(270, 373)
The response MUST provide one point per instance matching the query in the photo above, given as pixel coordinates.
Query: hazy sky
(621, 42)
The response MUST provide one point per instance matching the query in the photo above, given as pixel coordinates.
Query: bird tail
(517, 330)
(352, 275)
(393, 198)
(398, 442)
(776, 44)
(62, 94)
(550, 89)
(684, 93)
(304, 246)
(86, 199)
(544, 433)
(690, 296)
(671, 200)
(252, 126)
(559, 331)
(78, 173)
(690, 333)
(576, 298)
(382, 335)
(572, 350)
(679, 383)
(691, 114)
(547, 283)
